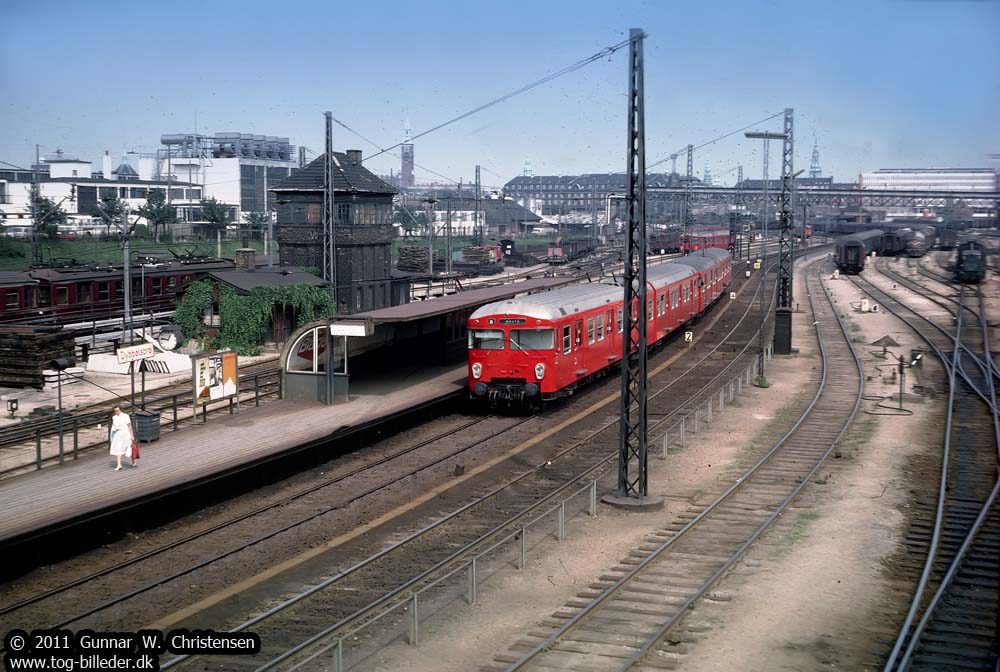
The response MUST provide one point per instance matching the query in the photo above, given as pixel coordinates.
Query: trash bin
(146, 425)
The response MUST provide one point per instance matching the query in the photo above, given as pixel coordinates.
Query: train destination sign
(133, 353)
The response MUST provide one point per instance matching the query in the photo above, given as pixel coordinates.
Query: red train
(75, 293)
(700, 239)
(543, 346)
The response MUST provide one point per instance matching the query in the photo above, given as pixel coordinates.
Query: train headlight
(539, 371)
(477, 370)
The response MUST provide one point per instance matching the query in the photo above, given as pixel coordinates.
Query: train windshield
(485, 339)
(532, 339)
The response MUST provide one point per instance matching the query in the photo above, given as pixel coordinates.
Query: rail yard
(276, 403)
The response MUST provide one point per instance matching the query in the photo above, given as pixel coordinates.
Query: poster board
(215, 377)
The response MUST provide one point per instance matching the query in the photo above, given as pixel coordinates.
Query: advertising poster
(214, 377)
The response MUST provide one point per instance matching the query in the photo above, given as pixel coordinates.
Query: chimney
(354, 156)
(106, 166)
(245, 260)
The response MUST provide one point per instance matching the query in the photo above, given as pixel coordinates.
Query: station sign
(133, 353)
(349, 329)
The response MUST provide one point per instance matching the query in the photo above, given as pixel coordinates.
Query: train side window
(11, 300)
(62, 296)
(83, 292)
(590, 331)
(103, 291)
(600, 327)
(172, 282)
(44, 297)
(567, 339)
(621, 328)
(29, 297)
(649, 310)
(661, 304)
(157, 285)
(119, 292)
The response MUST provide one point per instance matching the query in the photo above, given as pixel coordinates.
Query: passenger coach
(539, 347)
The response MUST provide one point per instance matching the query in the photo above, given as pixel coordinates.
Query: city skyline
(906, 84)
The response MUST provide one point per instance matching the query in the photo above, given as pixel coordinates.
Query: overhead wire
(607, 51)
(386, 151)
(684, 149)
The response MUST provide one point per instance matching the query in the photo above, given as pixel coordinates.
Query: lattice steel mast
(329, 213)
(632, 458)
(783, 317)
(688, 186)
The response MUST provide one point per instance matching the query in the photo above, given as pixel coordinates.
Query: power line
(714, 140)
(384, 151)
(607, 51)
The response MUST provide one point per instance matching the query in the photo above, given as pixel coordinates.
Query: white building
(932, 179)
(73, 185)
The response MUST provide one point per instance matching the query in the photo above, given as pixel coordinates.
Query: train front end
(510, 358)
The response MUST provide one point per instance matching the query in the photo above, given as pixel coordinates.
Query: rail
(468, 561)
(652, 639)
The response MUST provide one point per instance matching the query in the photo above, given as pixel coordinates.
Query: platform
(46, 501)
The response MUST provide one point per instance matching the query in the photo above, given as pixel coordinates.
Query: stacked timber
(26, 350)
(413, 259)
(479, 255)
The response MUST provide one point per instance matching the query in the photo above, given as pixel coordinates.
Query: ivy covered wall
(244, 319)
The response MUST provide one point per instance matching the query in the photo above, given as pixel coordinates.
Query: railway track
(625, 624)
(320, 622)
(127, 580)
(952, 622)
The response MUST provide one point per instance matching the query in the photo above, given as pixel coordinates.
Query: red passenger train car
(76, 293)
(543, 346)
(701, 239)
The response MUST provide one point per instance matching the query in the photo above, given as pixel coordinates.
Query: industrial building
(236, 169)
(363, 207)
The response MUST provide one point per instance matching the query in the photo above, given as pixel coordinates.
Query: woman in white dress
(121, 435)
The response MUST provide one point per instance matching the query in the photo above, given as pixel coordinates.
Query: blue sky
(880, 84)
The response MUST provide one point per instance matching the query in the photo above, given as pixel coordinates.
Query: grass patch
(799, 531)
(17, 256)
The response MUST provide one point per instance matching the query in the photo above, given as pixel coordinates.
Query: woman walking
(121, 435)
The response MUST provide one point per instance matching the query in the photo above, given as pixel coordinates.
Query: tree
(257, 221)
(113, 212)
(158, 213)
(48, 216)
(215, 213)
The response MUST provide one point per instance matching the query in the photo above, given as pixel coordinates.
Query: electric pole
(329, 215)
(783, 313)
(632, 490)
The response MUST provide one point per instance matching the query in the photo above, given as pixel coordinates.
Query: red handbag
(135, 450)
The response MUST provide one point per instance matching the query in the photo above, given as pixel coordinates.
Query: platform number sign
(688, 336)
(732, 296)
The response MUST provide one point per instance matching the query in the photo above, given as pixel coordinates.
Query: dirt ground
(812, 595)
(464, 637)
